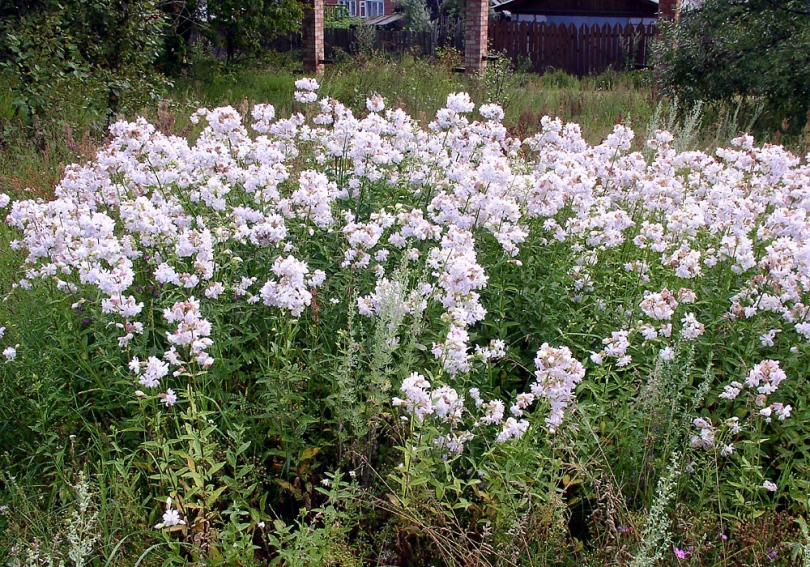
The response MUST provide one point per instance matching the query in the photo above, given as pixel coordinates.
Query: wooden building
(579, 12)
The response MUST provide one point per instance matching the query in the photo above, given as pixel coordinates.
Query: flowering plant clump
(307, 268)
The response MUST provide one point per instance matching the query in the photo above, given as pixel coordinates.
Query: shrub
(720, 50)
(97, 56)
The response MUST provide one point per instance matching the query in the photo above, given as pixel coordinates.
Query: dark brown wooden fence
(540, 47)
(579, 50)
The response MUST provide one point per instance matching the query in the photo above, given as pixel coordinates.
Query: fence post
(312, 36)
(475, 41)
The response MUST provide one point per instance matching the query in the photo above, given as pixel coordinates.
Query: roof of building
(581, 7)
(383, 20)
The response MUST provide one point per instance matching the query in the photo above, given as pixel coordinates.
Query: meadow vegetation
(374, 319)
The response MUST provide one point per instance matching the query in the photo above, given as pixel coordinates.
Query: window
(375, 8)
(351, 5)
(364, 8)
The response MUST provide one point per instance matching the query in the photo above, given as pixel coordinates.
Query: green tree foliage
(416, 15)
(96, 58)
(182, 22)
(722, 50)
(97, 54)
(339, 18)
(240, 26)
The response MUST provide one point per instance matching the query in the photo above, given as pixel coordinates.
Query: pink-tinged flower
(659, 306)
(557, 375)
(682, 554)
(491, 112)
(155, 370)
(305, 97)
(460, 102)
(417, 397)
(512, 429)
(263, 112)
(169, 398)
(290, 291)
(375, 103)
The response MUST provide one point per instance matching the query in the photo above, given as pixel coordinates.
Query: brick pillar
(312, 36)
(667, 9)
(475, 39)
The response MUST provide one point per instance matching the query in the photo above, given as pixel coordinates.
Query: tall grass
(32, 157)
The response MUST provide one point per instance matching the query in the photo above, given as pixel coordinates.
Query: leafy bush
(240, 26)
(339, 18)
(721, 50)
(98, 56)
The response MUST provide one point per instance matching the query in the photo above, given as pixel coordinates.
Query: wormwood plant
(656, 538)
(70, 540)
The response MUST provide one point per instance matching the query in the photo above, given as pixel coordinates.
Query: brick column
(312, 36)
(475, 38)
(667, 9)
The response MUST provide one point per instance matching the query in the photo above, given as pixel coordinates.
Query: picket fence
(576, 50)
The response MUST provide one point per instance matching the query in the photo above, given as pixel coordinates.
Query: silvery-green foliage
(656, 538)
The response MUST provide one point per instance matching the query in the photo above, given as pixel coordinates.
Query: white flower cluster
(447, 407)
(192, 332)
(306, 93)
(171, 517)
(557, 374)
(10, 353)
(705, 439)
(660, 307)
(417, 397)
(291, 290)
(215, 219)
(764, 378)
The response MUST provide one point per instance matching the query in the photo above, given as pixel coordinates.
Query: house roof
(646, 8)
(383, 20)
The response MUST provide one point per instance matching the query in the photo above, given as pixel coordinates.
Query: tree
(241, 25)
(100, 53)
(182, 19)
(727, 50)
(416, 15)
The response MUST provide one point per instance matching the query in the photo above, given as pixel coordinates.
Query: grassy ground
(32, 158)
